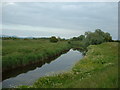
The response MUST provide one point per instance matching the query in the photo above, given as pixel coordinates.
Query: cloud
(68, 16)
(10, 3)
(24, 30)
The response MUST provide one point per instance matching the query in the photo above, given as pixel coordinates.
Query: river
(28, 75)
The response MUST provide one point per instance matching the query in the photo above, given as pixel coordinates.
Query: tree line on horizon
(88, 38)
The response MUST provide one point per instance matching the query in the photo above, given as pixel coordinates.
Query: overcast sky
(67, 19)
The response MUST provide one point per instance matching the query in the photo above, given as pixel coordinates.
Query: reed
(17, 53)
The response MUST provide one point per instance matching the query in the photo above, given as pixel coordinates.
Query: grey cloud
(77, 16)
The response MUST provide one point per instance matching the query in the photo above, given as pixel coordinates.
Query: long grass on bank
(22, 52)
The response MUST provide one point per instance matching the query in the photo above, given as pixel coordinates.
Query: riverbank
(61, 64)
(20, 53)
(98, 69)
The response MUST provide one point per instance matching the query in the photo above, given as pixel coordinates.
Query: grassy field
(22, 52)
(98, 69)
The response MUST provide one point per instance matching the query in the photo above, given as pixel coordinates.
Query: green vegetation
(98, 69)
(17, 53)
(90, 38)
(53, 39)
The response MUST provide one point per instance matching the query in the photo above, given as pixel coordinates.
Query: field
(98, 69)
(17, 53)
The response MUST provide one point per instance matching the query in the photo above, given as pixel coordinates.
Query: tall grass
(17, 53)
(98, 69)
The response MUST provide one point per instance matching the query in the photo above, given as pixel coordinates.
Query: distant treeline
(89, 38)
(17, 38)
(28, 38)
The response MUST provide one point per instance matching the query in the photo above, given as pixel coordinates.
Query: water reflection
(31, 73)
(25, 69)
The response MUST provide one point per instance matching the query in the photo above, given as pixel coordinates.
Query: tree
(81, 37)
(75, 38)
(99, 31)
(107, 37)
(92, 38)
(53, 39)
(97, 37)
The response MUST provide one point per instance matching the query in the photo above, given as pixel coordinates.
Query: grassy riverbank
(17, 53)
(98, 69)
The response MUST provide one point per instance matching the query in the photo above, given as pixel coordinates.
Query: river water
(28, 75)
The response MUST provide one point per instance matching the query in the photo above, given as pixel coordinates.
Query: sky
(63, 19)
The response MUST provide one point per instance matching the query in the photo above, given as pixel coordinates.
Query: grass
(18, 53)
(98, 69)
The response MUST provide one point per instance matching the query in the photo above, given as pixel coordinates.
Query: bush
(91, 38)
(53, 39)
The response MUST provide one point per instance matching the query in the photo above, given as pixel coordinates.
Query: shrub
(53, 39)
(91, 38)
